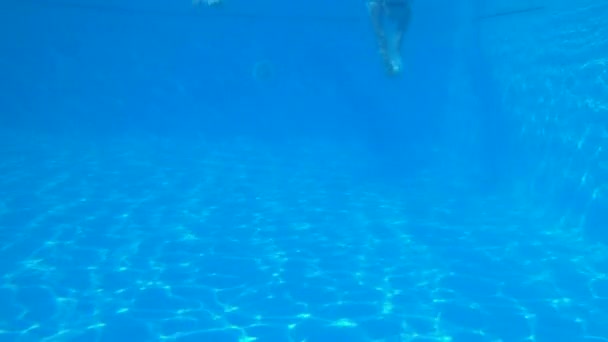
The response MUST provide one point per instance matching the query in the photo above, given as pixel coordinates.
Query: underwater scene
(366, 171)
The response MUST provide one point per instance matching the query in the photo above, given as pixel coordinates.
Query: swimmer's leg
(401, 29)
(376, 12)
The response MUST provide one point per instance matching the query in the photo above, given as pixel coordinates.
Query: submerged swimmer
(397, 13)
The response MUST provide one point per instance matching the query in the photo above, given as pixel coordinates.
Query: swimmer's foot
(394, 66)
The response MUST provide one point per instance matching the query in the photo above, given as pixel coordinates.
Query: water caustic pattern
(551, 67)
(160, 241)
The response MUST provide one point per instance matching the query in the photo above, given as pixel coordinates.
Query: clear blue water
(249, 173)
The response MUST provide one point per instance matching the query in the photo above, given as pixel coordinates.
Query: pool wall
(551, 71)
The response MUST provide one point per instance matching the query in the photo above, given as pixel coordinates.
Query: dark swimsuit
(399, 11)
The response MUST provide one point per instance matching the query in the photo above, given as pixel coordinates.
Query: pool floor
(163, 241)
